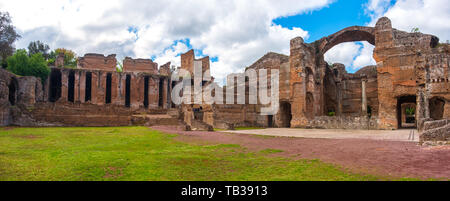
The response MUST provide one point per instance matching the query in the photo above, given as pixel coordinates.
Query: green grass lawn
(139, 153)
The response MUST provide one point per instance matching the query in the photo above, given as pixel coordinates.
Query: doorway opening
(161, 92)
(309, 105)
(13, 86)
(286, 115)
(270, 121)
(146, 80)
(71, 87)
(406, 112)
(436, 107)
(108, 88)
(127, 90)
(55, 85)
(88, 89)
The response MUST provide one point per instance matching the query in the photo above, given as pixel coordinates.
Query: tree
(38, 47)
(415, 30)
(22, 64)
(7, 37)
(70, 58)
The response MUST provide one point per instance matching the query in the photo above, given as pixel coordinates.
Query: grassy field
(139, 153)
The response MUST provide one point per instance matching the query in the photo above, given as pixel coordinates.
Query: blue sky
(328, 20)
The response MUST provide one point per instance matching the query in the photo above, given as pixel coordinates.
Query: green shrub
(22, 64)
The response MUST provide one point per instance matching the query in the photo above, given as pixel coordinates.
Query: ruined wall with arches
(93, 94)
(408, 65)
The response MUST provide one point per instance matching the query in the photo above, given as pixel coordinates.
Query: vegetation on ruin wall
(138, 153)
(34, 65)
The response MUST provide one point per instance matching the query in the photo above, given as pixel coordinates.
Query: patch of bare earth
(31, 137)
(113, 172)
(384, 158)
(7, 128)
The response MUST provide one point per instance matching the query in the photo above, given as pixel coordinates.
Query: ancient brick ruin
(409, 87)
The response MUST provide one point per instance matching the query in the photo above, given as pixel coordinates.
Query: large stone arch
(349, 34)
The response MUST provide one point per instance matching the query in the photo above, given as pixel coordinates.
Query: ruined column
(114, 88)
(94, 87)
(134, 96)
(82, 88)
(64, 85)
(76, 87)
(165, 95)
(339, 99)
(364, 97)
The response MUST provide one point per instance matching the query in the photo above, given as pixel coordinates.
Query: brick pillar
(364, 97)
(134, 96)
(76, 87)
(114, 88)
(339, 99)
(165, 94)
(122, 89)
(101, 89)
(82, 86)
(64, 85)
(153, 92)
(140, 90)
(94, 88)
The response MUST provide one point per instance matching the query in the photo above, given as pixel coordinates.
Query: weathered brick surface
(98, 62)
(140, 65)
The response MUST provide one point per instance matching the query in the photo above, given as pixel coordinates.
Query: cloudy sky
(234, 33)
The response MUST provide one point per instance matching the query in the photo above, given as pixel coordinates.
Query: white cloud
(343, 53)
(430, 16)
(365, 57)
(236, 31)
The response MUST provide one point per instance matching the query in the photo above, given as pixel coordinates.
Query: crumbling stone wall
(435, 132)
(140, 65)
(97, 62)
(410, 69)
(94, 94)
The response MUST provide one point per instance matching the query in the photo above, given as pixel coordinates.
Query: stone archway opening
(13, 87)
(406, 112)
(354, 55)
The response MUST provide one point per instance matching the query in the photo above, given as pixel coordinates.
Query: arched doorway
(406, 111)
(13, 86)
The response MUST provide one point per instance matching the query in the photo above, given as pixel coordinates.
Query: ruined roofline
(283, 59)
(95, 61)
(139, 65)
(360, 33)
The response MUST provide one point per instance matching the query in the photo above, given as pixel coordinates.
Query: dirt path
(392, 158)
(390, 135)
